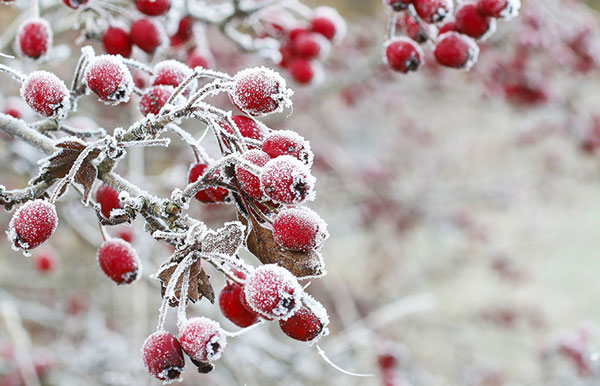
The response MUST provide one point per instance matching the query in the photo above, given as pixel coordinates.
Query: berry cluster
(451, 33)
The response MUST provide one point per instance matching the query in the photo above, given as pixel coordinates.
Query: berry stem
(103, 232)
(413, 13)
(183, 295)
(16, 75)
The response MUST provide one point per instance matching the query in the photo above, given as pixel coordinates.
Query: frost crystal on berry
(272, 292)
(470, 22)
(109, 78)
(260, 91)
(288, 181)
(46, 94)
(34, 38)
(155, 98)
(309, 323)
(249, 180)
(163, 356)
(32, 224)
(202, 339)
(119, 261)
(299, 229)
(172, 73)
(403, 54)
(456, 51)
(434, 11)
(288, 142)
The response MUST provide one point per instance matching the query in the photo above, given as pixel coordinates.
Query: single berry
(287, 181)
(155, 98)
(403, 54)
(500, 9)
(109, 79)
(287, 142)
(308, 45)
(260, 91)
(299, 229)
(230, 302)
(46, 94)
(116, 41)
(471, 23)
(447, 27)
(433, 11)
(163, 356)
(32, 224)
(249, 128)
(153, 7)
(172, 73)
(412, 28)
(301, 70)
(456, 51)
(249, 180)
(272, 292)
(119, 261)
(208, 195)
(75, 3)
(202, 339)
(398, 5)
(108, 198)
(45, 261)
(34, 38)
(147, 35)
(306, 324)
(328, 22)
(185, 30)
(197, 59)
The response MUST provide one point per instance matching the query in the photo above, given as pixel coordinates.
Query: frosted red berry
(32, 224)
(197, 59)
(208, 195)
(304, 325)
(456, 51)
(248, 179)
(403, 54)
(153, 7)
(119, 261)
(412, 28)
(398, 5)
(287, 181)
(109, 79)
(34, 38)
(308, 45)
(75, 3)
(501, 9)
(116, 41)
(147, 35)
(154, 99)
(433, 11)
(185, 30)
(272, 292)
(447, 27)
(260, 91)
(287, 142)
(230, 302)
(249, 128)
(46, 94)
(172, 73)
(45, 261)
(108, 198)
(299, 229)
(302, 70)
(163, 356)
(202, 339)
(328, 22)
(471, 23)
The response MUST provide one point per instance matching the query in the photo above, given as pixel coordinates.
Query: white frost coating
(333, 15)
(175, 72)
(297, 144)
(127, 276)
(42, 90)
(304, 218)
(34, 221)
(511, 10)
(48, 30)
(270, 83)
(272, 291)
(287, 180)
(490, 31)
(112, 75)
(202, 339)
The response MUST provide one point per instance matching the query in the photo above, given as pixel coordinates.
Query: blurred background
(463, 209)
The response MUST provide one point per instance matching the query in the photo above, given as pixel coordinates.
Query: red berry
(328, 22)
(230, 302)
(116, 41)
(260, 91)
(34, 38)
(403, 54)
(308, 45)
(197, 59)
(172, 73)
(147, 35)
(249, 180)
(471, 23)
(413, 29)
(75, 3)
(299, 229)
(126, 234)
(108, 198)
(32, 224)
(456, 51)
(398, 5)
(46, 94)
(301, 70)
(45, 261)
(153, 7)
(202, 339)
(249, 128)
(155, 98)
(287, 181)
(109, 79)
(163, 356)
(119, 261)
(287, 142)
(185, 30)
(447, 27)
(503, 9)
(306, 324)
(433, 11)
(272, 292)
(208, 195)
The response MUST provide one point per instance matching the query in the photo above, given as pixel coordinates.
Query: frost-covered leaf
(198, 286)
(226, 240)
